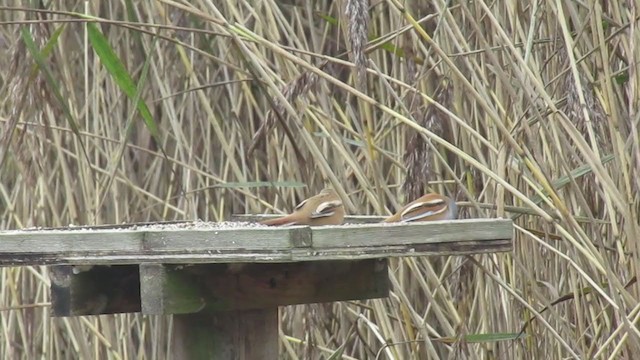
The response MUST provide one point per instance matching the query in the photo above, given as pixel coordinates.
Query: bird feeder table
(223, 282)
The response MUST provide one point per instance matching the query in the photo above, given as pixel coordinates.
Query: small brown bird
(323, 209)
(430, 207)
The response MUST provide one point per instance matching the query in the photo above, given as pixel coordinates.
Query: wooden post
(227, 335)
(230, 311)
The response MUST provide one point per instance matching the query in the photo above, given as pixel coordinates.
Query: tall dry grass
(143, 111)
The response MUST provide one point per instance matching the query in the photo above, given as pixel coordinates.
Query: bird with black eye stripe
(323, 209)
(430, 207)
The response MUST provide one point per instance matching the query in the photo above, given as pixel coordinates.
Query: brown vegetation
(517, 109)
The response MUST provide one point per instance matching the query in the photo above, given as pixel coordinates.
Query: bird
(430, 207)
(324, 208)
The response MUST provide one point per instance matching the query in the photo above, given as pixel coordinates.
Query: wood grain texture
(413, 233)
(170, 289)
(435, 249)
(127, 245)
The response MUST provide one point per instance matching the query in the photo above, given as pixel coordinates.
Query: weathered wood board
(171, 289)
(224, 283)
(251, 243)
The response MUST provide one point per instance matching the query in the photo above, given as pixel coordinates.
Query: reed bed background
(142, 111)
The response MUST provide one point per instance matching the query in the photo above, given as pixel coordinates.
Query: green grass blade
(121, 76)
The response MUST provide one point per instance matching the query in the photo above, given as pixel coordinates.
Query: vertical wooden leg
(246, 334)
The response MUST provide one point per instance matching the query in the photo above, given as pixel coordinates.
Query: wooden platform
(224, 282)
(198, 242)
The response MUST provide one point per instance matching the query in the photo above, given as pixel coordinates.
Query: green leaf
(392, 49)
(575, 173)
(621, 79)
(482, 338)
(119, 73)
(330, 19)
(491, 337)
(338, 353)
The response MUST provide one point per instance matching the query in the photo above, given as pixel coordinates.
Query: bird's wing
(325, 209)
(423, 209)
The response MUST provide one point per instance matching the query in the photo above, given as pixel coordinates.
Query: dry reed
(542, 116)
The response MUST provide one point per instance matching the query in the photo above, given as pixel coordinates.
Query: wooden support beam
(171, 289)
(230, 335)
(94, 290)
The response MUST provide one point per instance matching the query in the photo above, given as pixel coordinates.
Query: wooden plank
(435, 249)
(232, 335)
(48, 242)
(94, 290)
(413, 233)
(131, 245)
(252, 243)
(272, 238)
(105, 241)
(294, 255)
(170, 289)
